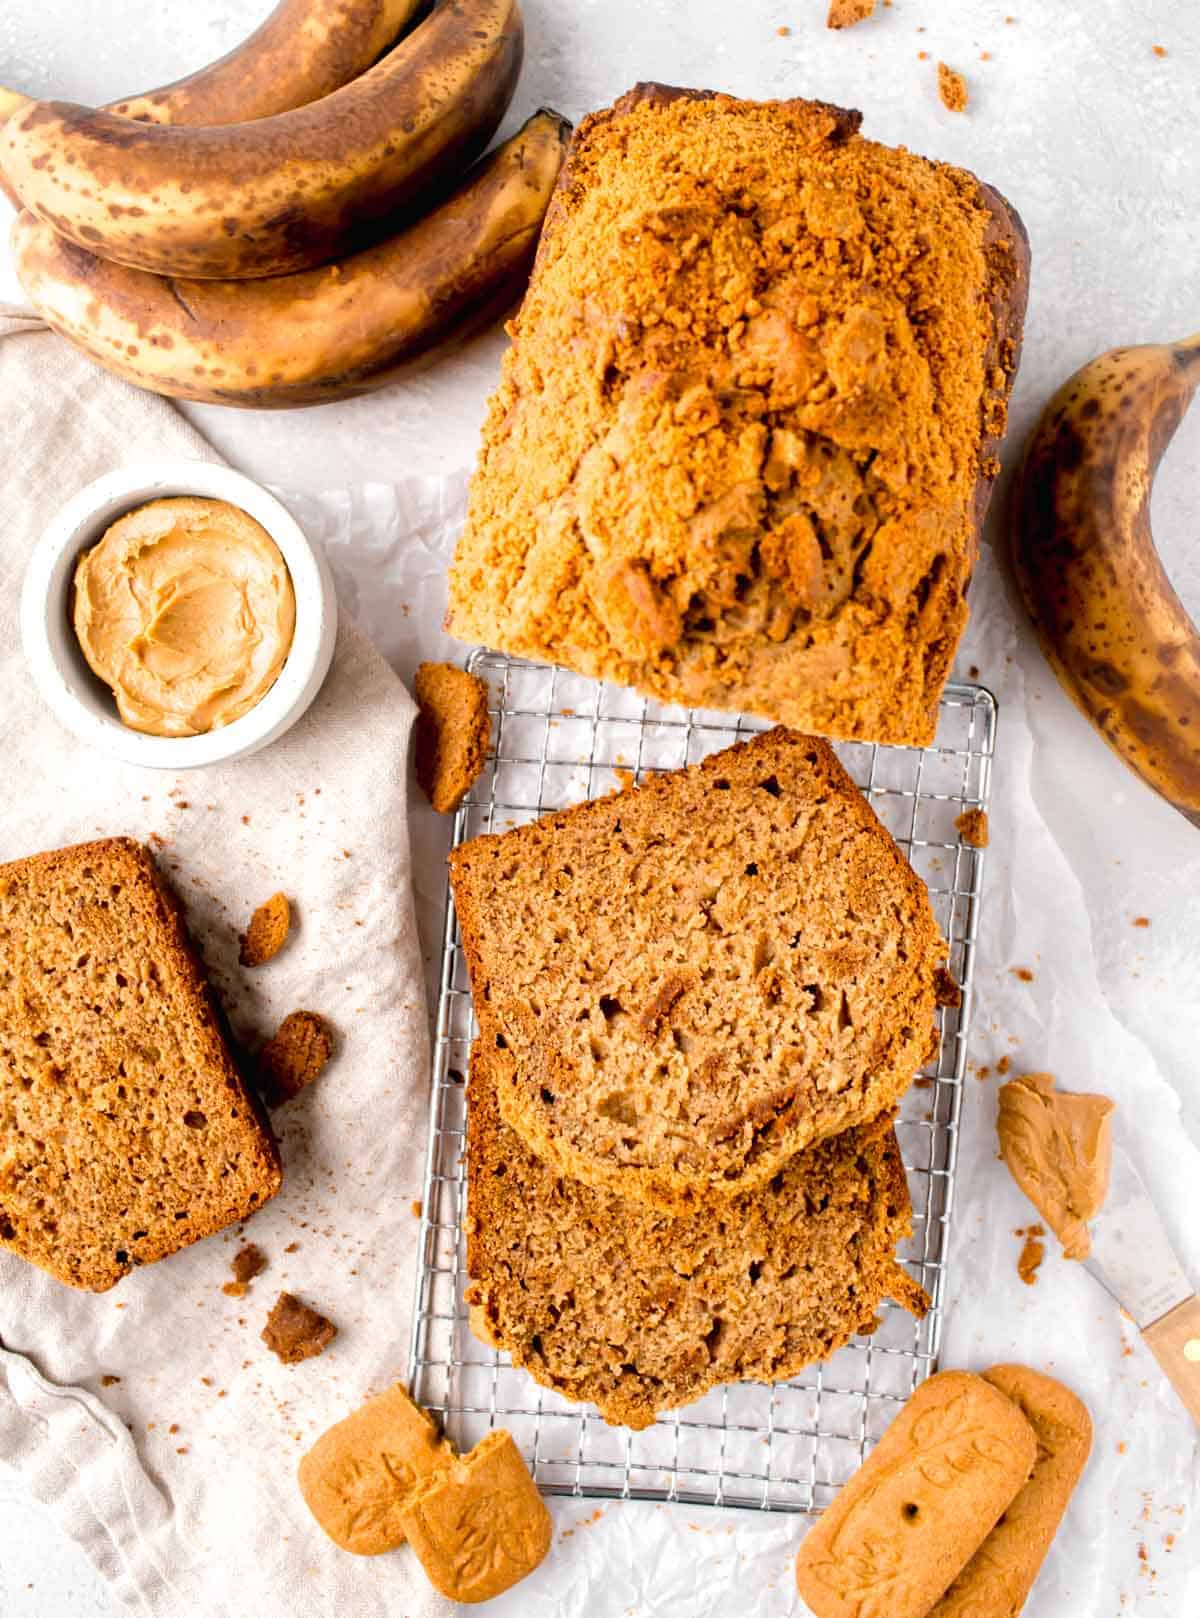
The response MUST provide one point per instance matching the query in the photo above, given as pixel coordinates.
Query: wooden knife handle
(1175, 1343)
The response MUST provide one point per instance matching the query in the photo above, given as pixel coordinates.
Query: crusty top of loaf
(127, 1132)
(684, 983)
(639, 1311)
(754, 390)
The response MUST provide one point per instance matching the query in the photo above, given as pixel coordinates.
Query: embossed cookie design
(479, 1525)
(360, 1475)
(919, 1508)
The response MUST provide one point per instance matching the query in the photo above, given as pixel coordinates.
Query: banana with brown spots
(1110, 623)
(318, 335)
(280, 193)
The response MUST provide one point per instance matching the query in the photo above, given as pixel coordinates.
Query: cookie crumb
(452, 732)
(1003, 1065)
(973, 672)
(1159, 51)
(1141, 921)
(972, 827)
(235, 1289)
(417, 1208)
(248, 1262)
(292, 1247)
(294, 1332)
(845, 13)
(946, 991)
(1031, 1256)
(267, 932)
(922, 56)
(1022, 973)
(108, 1380)
(783, 31)
(952, 88)
(625, 776)
(294, 1056)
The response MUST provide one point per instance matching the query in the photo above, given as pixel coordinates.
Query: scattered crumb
(625, 776)
(1158, 50)
(922, 1083)
(181, 1449)
(248, 1262)
(922, 56)
(783, 32)
(292, 1247)
(1141, 921)
(452, 732)
(973, 672)
(1031, 1256)
(972, 827)
(173, 1428)
(417, 1208)
(946, 991)
(1022, 973)
(108, 1380)
(267, 932)
(983, 1072)
(845, 13)
(952, 88)
(294, 1056)
(1003, 1065)
(985, 56)
(245, 820)
(1122, 1447)
(295, 1332)
(235, 1289)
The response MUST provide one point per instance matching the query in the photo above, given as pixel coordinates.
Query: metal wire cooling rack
(558, 738)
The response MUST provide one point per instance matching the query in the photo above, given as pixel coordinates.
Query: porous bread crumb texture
(745, 433)
(126, 1131)
(972, 827)
(683, 985)
(640, 1312)
(952, 88)
(845, 13)
(267, 932)
(294, 1056)
(296, 1332)
(452, 732)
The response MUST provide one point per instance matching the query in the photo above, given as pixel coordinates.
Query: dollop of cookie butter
(185, 609)
(1058, 1147)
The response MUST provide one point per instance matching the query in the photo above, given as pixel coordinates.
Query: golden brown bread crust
(638, 1311)
(818, 580)
(683, 984)
(127, 1130)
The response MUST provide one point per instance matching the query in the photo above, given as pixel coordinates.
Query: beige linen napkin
(151, 1418)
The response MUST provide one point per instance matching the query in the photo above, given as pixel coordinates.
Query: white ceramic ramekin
(83, 703)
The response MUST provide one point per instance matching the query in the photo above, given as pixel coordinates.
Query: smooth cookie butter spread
(186, 610)
(1058, 1148)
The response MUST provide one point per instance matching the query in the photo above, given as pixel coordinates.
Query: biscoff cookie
(360, 1475)
(479, 1524)
(997, 1580)
(920, 1506)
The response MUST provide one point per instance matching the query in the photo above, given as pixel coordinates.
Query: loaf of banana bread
(746, 433)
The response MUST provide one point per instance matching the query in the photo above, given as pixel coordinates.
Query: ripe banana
(305, 49)
(1109, 621)
(281, 193)
(318, 335)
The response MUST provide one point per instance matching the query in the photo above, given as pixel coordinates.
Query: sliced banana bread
(125, 1130)
(686, 982)
(640, 1311)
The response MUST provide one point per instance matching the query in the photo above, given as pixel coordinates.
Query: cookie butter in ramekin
(174, 615)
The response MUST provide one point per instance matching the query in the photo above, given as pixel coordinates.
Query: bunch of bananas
(254, 235)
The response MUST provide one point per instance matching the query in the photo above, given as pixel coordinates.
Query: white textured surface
(1093, 138)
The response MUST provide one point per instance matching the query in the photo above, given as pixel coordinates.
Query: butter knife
(1133, 1260)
